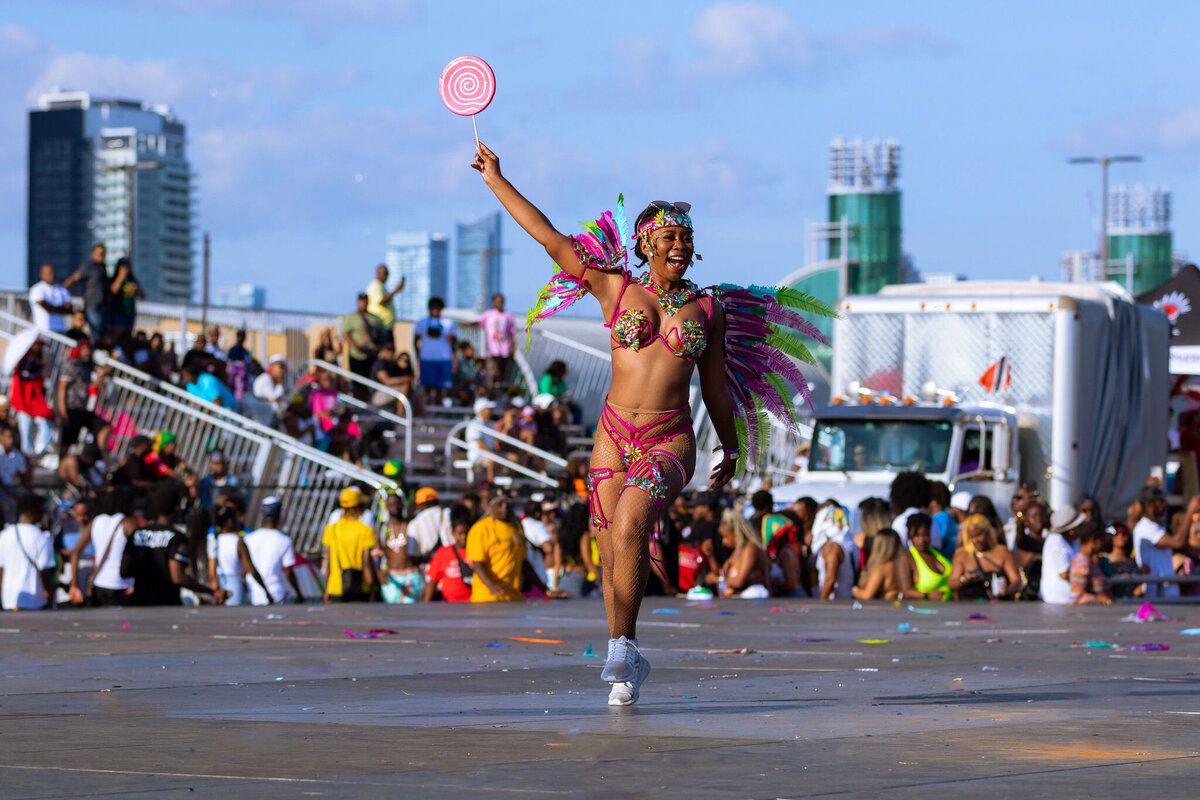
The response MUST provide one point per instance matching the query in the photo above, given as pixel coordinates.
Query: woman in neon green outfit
(923, 572)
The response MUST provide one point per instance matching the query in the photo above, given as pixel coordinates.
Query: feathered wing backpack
(764, 332)
(764, 337)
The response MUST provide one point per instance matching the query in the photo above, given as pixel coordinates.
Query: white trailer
(1088, 393)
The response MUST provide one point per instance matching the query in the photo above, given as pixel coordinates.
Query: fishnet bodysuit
(653, 455)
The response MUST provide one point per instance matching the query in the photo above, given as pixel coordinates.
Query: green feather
(794, 298)
(789, 344)
(784, 392)
(739, 425)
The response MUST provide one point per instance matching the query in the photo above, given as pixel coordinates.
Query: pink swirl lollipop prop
(467, 86)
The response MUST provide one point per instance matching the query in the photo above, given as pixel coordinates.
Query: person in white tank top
(835, 551)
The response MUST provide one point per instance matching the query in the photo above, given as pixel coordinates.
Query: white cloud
(318, 17)
(1172, 132)
(738, 40)
(1180, 129)
(887, 39)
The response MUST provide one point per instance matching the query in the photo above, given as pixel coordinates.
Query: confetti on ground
(725, 613)
(807, 641)
(1190, 632)
(125, 626)
(737, 651)
(904, 626)
(665, 611)
(1094, 644)
(1146, 647)
(867, 669)
(994, 641)
(371, 634)
(991, 669)
(874, 641)
(916, 610)
(535, 641)
(916, 658)
(495, 645)
(564, 654)
(589, 653)
(1147, 612)
(978, 618)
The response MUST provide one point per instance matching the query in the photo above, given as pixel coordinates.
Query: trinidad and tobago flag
(998, 376)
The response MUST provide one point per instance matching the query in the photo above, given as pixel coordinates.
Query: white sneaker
(625, 693)
(616, 665)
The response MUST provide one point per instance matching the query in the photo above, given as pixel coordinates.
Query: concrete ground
(826, 700)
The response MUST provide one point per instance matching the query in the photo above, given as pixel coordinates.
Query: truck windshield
(872, 444)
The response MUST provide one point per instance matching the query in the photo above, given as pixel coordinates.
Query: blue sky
(315, 126)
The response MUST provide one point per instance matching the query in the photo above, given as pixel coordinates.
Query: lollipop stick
(476, 126)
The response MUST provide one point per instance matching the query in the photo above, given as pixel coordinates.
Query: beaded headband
(670, 215)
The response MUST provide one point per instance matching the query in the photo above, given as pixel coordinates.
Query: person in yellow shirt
(496, 552)
(348, 545)
(379, 299)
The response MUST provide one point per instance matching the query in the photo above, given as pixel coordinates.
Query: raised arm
(526, 214)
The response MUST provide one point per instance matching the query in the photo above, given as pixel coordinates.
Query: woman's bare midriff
(652, 378)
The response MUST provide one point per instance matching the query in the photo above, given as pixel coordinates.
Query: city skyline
(315, 133)
(110, 171)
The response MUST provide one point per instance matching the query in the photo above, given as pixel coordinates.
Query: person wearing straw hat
(1057, 551)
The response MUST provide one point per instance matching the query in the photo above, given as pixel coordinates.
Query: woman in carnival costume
(663, 326)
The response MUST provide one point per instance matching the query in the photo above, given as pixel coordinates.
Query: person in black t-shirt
(385, 370)
(156, 557)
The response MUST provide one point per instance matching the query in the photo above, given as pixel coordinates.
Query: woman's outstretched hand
(487, 163)
(722, 473)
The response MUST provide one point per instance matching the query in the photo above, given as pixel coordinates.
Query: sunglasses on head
(684, 207)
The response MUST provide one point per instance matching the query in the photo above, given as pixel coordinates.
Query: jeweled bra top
(632, 331)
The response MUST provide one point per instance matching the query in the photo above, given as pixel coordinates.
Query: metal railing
(453, 440)
(590, 370)
(137, 403)
(265, 463)
(405, 421)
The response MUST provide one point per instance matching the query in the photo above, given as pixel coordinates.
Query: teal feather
(622, 221)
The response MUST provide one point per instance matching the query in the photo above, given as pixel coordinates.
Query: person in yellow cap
(348, 544)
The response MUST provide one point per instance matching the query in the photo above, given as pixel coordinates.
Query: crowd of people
(183, 532)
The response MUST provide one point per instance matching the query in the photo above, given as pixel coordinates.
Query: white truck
(1082, 408)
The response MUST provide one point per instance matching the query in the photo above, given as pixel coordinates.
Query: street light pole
(1103, 161)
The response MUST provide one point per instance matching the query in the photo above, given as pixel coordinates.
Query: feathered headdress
(603, 247)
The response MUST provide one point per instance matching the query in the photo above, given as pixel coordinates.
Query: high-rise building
(243, 295)
(112, 171)
(423, 260)
(1139, 239)
(477, 266)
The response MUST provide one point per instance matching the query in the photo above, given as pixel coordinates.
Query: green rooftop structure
(858, 250)
(1139, 239)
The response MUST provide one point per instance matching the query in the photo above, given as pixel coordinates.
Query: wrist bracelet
(727, 453)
